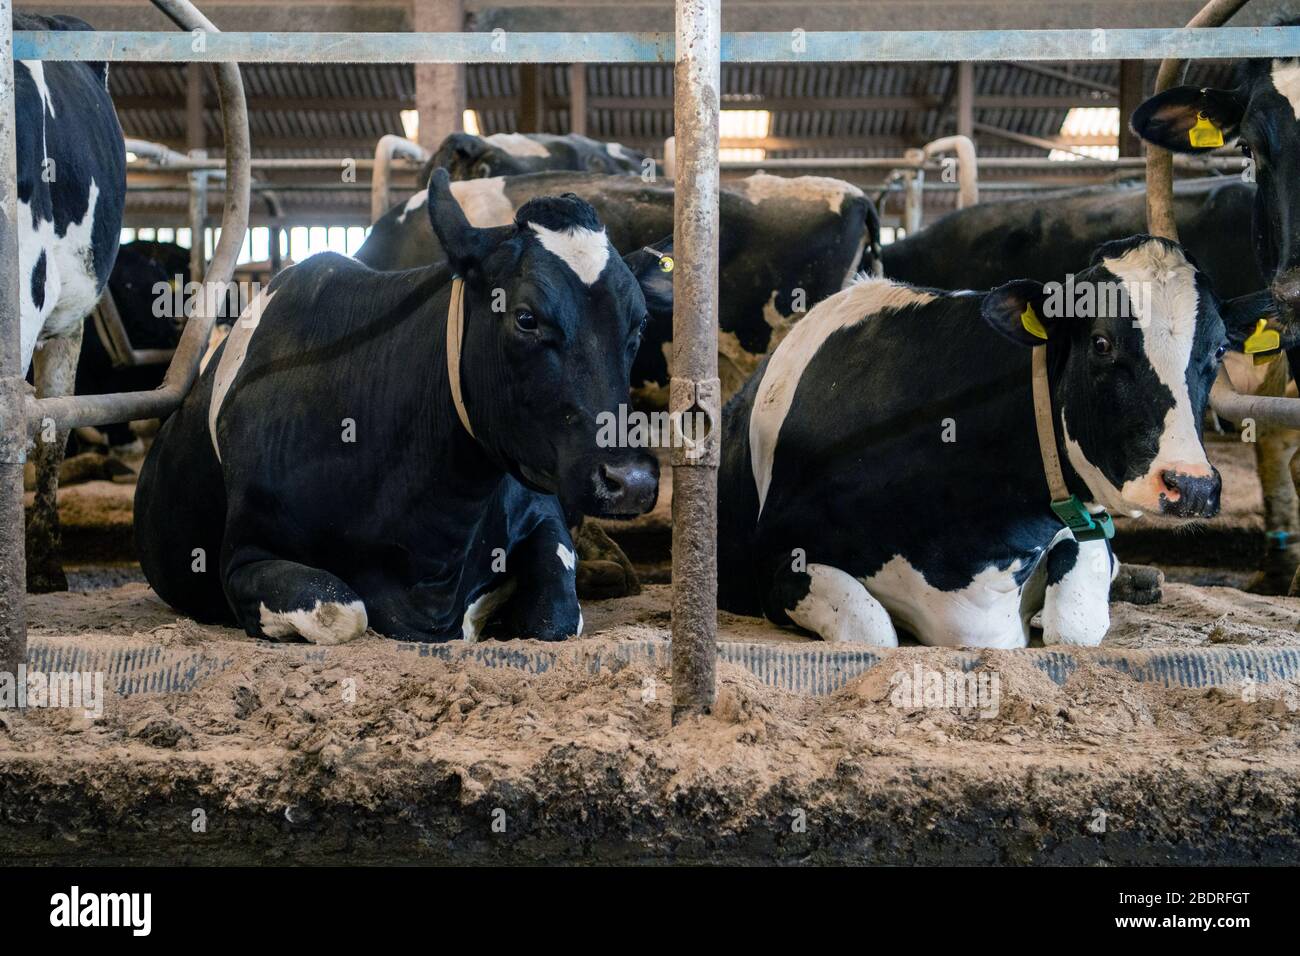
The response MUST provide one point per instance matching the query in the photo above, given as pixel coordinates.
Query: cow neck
(1085, 525)
(455, 336)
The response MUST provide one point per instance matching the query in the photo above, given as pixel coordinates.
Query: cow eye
(525, 321)
(1220, 352)
(1245, 149)
(1101, 345)
(482, 171)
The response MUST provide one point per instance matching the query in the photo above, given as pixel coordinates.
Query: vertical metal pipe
(695, 390)
(13, 431)
(966, 99)
(578, 98)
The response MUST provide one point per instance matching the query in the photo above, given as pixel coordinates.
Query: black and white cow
(882, 469)
(786, 244)
(466, 156)
(320, 478)
(142, 267)
(71, 189)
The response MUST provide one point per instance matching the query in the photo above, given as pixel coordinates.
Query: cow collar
(1085, 525)
(455, 334)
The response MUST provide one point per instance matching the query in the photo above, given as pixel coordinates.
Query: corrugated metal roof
(341, 110)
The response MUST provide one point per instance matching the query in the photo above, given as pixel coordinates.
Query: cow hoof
(1137, 584)
(600, 580)
(328, 623)
(46, 580)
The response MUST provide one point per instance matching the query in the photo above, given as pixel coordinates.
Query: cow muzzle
(623, 487)
(1188, 495)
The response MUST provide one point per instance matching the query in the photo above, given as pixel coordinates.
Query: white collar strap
(1085, 525)
(455, 336)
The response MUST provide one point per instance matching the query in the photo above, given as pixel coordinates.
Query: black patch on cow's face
(38, 282)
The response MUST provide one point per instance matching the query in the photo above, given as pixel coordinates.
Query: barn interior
(204, 709)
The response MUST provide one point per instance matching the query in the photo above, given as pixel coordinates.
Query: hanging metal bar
(778, 47)
(695, 394)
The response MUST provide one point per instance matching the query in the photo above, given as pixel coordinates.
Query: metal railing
(697, 49)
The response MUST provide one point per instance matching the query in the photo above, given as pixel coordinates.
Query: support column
(578, 98)
(695, 392)
(196, 142)
(13, 422)
(966, 99)
(530, 116)
(1130, 98)
(439, 87)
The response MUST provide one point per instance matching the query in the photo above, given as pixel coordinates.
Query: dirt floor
(369, 753)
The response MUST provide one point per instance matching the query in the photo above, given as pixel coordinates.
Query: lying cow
(71, 189)
(883, 468)
(360, 451)
(466, 156)
(786, 244)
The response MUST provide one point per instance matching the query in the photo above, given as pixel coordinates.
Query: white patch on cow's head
(567, 557)
(811, 189)
(484, 202)
(1286, 80)
(37, 71)
(864, 299)
(583, 251)
(518, 145)
(1160, 277)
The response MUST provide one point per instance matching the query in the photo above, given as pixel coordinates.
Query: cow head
(1134, 342)
(1263, 114)
(553, 318)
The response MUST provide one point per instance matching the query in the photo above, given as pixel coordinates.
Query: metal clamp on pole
(695, 410)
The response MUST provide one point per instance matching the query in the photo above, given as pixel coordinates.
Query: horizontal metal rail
(794, 46)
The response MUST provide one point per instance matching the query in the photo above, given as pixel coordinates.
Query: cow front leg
(54, 372)
(544, 605)
(281, 600)
(1076, 605)
(832, 604)
(1275, 453)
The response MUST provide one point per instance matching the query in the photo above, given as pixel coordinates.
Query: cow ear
(652, 267)
(1242, 317)
(466, 246)
(1015, 311)
(1189, 119)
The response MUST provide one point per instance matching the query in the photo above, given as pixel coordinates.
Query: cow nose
(1286, 289)
(628, 487)
(1190, 496)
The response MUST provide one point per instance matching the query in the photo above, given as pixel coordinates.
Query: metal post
(13, 430)
(695, 387)
(531, 116)
(966, 100)
(578, 98)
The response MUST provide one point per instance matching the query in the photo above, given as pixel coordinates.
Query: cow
(405, 450)
(141, 270)
(71, 190)
(466, 156)
(786, 243)
(883, 468)
(1262, 113)
(984, 246)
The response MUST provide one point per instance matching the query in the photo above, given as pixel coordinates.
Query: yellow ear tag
(1204, 135)
(666, 263)
(1263, 343)
(1029, 319)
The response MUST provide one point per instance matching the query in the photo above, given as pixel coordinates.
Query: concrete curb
(132, 666)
